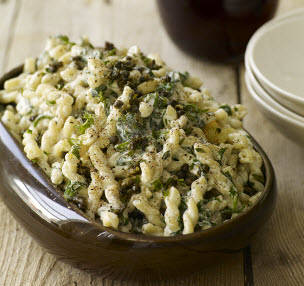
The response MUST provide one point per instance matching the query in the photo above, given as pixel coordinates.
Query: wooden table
(275, 257)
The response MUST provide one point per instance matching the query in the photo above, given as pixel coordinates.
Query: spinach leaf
(227, 108)
(194, 114)
(105, 95)
(129, 126)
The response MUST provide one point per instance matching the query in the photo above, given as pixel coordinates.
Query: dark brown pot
(216, 30)
(64, 231)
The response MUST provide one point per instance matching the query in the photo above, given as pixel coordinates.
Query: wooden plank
(26, 262)
(289, 5)
(8, 15)
(277, 252)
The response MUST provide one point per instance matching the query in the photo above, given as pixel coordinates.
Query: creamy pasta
(135, 145)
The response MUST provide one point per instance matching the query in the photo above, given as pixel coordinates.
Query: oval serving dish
(65, 231)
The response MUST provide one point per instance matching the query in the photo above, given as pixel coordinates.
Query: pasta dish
(132, 143)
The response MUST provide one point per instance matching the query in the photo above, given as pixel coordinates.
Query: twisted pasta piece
(190, 216)
(151, 213)
(110, 128)
(50, 136)
(69, 168)
(109, 184)
(95, 192)
(172, 202)
(170, 146)
(109, 219)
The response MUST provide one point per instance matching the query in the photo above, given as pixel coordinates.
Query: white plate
(268, 95)
(276, 55)
(269, 100)
(291, 128)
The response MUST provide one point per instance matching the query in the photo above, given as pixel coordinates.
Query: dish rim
(261, 93)
(289, 96)
(269, 108)
(143, 238)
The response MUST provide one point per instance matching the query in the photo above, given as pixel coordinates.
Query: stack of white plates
(274, 76)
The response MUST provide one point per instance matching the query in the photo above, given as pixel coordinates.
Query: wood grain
(22, 261)
(7, 11)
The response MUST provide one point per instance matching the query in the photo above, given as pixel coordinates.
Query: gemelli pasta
(135, 145)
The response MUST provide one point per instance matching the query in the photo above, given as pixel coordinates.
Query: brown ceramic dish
(64, 231)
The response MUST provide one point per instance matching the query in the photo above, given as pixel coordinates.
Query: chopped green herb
(157, 185)
(122, 146)
(75, 151)
(73, 141)
(227, 108)
(166, 192)
(166, 89)
(235, 196)
(51, 102)
(41, 117)
(105, 95)
(233, 191)
(129, 126)
(112, 52)
(72, 189)
(30, 111)
(150, 63)
(29, 131)
(221, 153)
(88, 121)
(193, 113)
(183, 77)
(65, 40)
(96, 92)
(200, 150)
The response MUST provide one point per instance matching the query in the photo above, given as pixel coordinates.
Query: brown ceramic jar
(216, 30)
